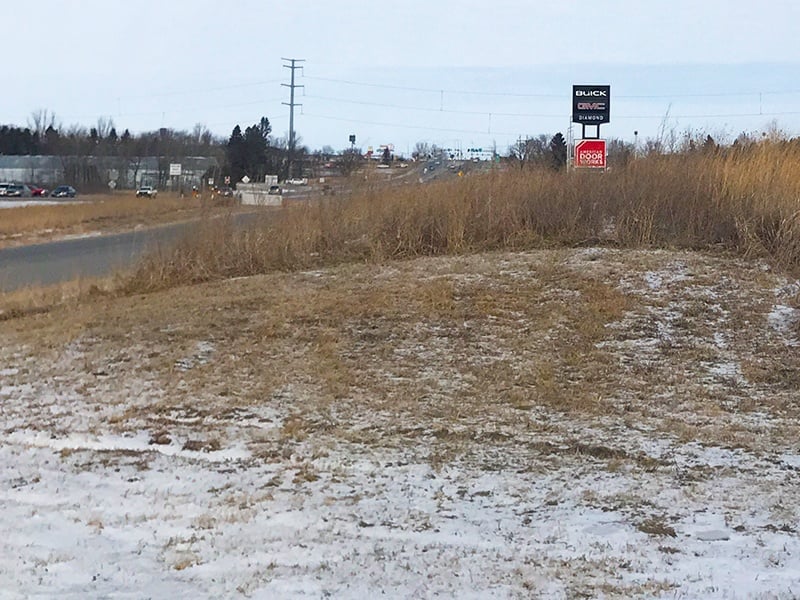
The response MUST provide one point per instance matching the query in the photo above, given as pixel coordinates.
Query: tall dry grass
(742, 199)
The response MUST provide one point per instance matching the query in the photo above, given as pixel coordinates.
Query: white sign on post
(174, 169)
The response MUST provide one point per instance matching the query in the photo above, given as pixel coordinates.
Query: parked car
(37, 191)
(18, 190)
(64, 191)
(146, 190)
(3, 188)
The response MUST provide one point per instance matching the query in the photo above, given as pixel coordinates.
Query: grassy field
(553, 423)
(511, 384)
(739, 200)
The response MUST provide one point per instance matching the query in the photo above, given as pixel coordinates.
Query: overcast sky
(462, 72)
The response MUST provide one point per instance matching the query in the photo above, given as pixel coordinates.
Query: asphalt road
(97, 256)
(54, 262)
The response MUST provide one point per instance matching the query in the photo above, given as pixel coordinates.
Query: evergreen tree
(52, 141)
(236, 156)
(558, 150)
(255, 151)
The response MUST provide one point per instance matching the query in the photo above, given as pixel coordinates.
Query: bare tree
(40, 120)
(350, 160)
(421, 150)
(201, 138)
(530, 150)
(104, 127)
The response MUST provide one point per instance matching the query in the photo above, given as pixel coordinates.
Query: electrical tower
(291, 104)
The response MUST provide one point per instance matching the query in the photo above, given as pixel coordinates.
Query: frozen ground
(123, 478)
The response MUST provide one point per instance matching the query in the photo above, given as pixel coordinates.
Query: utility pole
(291, 104)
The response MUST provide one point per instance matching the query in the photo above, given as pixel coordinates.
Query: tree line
(253, 152)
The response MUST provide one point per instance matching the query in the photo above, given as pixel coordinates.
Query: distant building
(98, 171)
(46, 170)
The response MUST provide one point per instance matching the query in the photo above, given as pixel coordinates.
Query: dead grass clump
(38, 300)
(657, 527)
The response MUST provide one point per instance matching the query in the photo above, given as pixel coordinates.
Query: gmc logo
(591, 105)
(601, 93)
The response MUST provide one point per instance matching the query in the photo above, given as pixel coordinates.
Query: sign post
(591, 106)
(174, 173)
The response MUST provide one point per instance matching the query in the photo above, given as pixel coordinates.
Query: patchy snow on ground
(554, 506)
(120, 517)
(5, 203)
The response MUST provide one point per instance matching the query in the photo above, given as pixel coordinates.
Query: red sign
(590, 153)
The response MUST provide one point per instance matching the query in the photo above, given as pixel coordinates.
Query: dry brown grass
(453, 348)
(99, 212)
(40, 299)
(741, 200)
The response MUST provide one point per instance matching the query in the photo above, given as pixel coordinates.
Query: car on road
(37, 191)
(18, 190)
(64, 191)
(274, 190)
(146, 190)
(3, 188)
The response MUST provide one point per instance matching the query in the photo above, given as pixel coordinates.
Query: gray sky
(462, 72)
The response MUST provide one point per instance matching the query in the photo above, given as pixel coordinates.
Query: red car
(37, 191)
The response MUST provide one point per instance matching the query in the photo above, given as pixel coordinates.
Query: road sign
(174, 169)
(590, 153)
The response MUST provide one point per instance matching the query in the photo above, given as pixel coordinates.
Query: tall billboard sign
(591, 104)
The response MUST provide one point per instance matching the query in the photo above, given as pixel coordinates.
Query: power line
(177, 110)
(542, 115)
(201, 90)
(548, 95)
(431, 90)
(428, 109)
(405, 126)
(554, 116)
